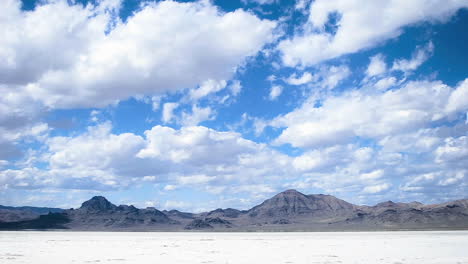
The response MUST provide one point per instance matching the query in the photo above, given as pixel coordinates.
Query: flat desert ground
(152, 247)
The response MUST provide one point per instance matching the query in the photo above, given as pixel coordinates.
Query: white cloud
(418, 58)
(437, 182)
(377, 188)
(255, 188)
(376, 174)
(301, 4)
(195, 179)
(260, 2)
(155, 102)
(333, 75)
(271, 78)
(3, 163)
(235, 87)
(170, 187)
(20, 119)
(180, 205)
(165, 46)
(198, 115)
(385, 83)
(214, 161)
(168, 112)
(358, 27)
(418, 141)
(196, 145)
(27, 178)
(96, 151)
(206, 88)
(294, 80)
(376, 66)
(275, 91)
(93, 116)
(90, 161)
(458, 100)
(149, 178)
(325, 77)
(195, 156)
(454, 150)
(456, 178)
(365, 114)
(320, 159)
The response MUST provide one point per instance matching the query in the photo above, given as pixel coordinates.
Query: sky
(197, 105)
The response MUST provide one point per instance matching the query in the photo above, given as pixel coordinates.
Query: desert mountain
(292, 203)
(287, 211)
(98, 204)
(14, 214)
(98, 213)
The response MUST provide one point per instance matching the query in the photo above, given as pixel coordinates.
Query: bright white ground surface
(348, 247)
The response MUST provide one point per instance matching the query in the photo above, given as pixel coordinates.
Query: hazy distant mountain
(14, 214)
(414, 215)
(286, 211)
(178, 214)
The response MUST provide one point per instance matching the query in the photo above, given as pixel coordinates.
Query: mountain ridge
(289, 210)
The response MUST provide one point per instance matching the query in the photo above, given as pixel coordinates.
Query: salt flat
(318, 247)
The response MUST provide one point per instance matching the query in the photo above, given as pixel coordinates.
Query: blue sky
(196, 105)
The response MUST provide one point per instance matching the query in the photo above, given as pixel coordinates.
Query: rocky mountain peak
(98, 203)
(386, 204)
(291, 192)
(292, 203)
(288, 197)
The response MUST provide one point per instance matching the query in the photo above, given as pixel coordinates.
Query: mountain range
(287, 211)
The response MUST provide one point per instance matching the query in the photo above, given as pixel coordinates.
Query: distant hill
(13, 214)
(292, 203)
(287, 211)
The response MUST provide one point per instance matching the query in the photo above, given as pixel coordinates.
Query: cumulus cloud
(168, 112)
(418, 141)
(198, 115)
(344, 170)
(170, 187)
(235, 87)
(194, 156)
(275, 91)
(438, 182)
(376, 174)
(20, 119)
(455, 150)
(333, 75)
(417, 59)
(376, 188)
(385, 83)
(180, 205)
(374, 115)
(214, 161)
(376, 66)
(458, 99)
(206, 88)
(326, 77)
(322, 158)
(165, 46)
(295, 80)
(357, 27)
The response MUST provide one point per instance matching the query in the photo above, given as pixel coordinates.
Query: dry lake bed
(333, 247)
